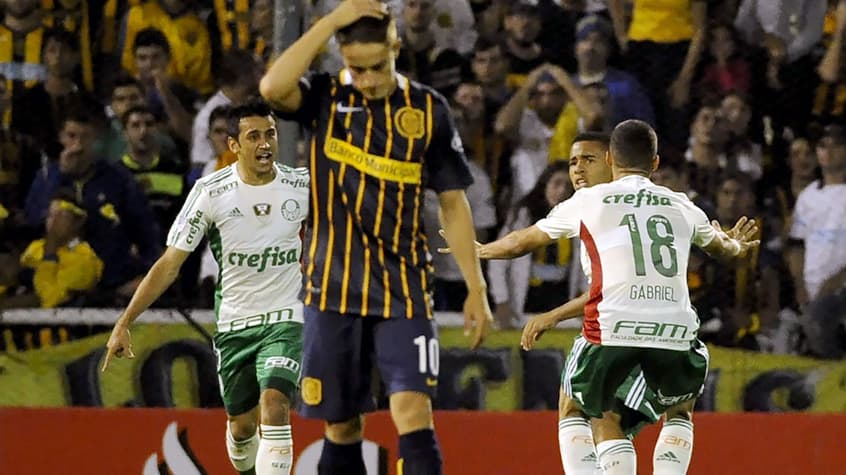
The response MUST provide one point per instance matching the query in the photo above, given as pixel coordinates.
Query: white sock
(673, 448)
(276, 451)
(242, 453)
(575, 441)
(617, 457)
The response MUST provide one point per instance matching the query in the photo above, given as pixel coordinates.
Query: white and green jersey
(254, 235)
(637, 236)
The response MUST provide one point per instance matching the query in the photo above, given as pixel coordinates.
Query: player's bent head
(368, 30)
(634, 144)
(369, 48)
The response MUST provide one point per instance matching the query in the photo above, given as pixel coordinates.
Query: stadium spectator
(120, 226)
(168, 98)
(705, 155)
(22, 30)
(62, 266)
(490, 67)
(57, 95)
(786, 33)
(190, 50)
(19, 161)
(663, 43)
(529, 120)
(522, 24)
(481, 144)
(594, 41)
(818, 252)
(161, 175)
(536, 282)
(725, 68)
(420, 57)
(742, 153)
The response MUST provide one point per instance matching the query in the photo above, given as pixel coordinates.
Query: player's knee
(345, 432)
(411, 411)
(275, 407)
(242, 426)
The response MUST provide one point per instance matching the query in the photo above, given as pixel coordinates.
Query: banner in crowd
(92, 441)
(175, 367)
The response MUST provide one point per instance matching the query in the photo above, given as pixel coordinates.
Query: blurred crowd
(112, 108)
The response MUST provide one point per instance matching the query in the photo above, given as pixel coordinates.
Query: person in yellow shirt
(187, 35)
(64, 266)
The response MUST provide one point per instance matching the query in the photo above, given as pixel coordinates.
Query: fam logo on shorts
(312, 391)
(409, 122)
(291, 210)
(261, 209)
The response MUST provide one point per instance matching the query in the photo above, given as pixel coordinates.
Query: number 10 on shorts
(428, 358)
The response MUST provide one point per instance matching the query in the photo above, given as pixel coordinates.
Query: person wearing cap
(594, 36)
(817, 252)
(522, 24)
(63, 266)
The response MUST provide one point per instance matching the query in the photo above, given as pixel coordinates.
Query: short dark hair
(123, 79)
(634, 144)
(600, 137)
(151, 37)
(746, 182)
(484, 44)
(85, 113)
(230, 70)
(365, 30)
(219, 112)
(63, 37)
(141, 109)
(251, 108)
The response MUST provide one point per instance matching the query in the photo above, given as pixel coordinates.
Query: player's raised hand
(477, 313)
(535, 328)
(350, 11)
(744, 232)
(447, 250)
(119, 345)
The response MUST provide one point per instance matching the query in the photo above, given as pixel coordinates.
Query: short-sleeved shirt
(637, 236)
(370, 162)
(254, 234)
(819, 220)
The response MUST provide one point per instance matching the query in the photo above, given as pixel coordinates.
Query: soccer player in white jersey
(638, 310)
(252, 212)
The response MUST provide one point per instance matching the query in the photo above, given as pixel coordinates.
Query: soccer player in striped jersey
(635, 314)
(376, 141)
(252, 213)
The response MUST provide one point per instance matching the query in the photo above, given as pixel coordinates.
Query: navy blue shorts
(339, 354)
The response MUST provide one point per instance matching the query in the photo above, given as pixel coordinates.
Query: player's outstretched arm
(734, 243)
(461, 236)
(539, 324)
(514, 244)
(160, 276)
(279, 86)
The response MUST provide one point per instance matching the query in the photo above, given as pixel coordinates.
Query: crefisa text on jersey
(662, 293)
